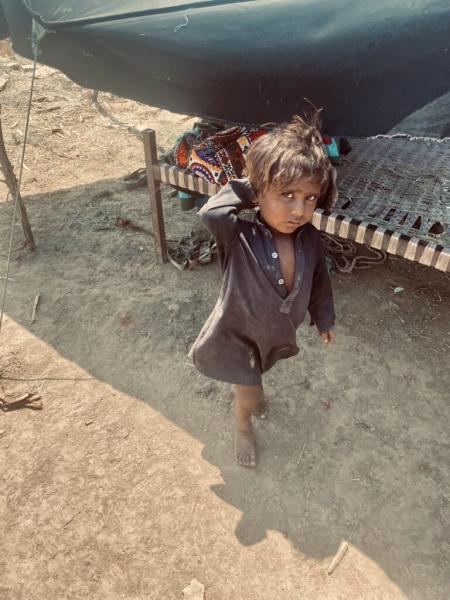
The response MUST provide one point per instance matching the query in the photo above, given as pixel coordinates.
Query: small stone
(194, 591)
(43, 71)
(88, 422)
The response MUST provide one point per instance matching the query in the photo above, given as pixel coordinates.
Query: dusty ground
(123, 486)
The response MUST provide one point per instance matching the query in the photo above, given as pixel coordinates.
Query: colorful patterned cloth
(219, 157)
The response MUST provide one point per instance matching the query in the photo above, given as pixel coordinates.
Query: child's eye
(290, 196)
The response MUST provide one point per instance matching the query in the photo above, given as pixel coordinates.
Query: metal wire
(16, 199)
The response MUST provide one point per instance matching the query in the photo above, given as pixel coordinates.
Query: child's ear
(330, 194)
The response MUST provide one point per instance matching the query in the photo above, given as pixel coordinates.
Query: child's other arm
(219, 215)
(321, 305)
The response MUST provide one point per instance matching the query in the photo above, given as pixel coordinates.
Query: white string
(185, 24)
(16, 199)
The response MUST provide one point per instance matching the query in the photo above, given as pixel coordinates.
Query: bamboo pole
(13, 186)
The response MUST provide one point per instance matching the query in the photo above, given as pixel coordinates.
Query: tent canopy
(373, 67)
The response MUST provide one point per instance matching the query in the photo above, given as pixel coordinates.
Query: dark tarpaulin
(373, 66)
(4, 32)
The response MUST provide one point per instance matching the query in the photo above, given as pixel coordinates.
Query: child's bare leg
(247, 402)
(261, 410)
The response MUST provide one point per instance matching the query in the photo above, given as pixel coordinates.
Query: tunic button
(274, 254)
(280, 281)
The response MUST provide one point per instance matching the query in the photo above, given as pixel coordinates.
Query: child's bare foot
(248, 401)
(245, 447)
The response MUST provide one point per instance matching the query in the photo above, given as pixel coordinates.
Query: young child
(273, 268)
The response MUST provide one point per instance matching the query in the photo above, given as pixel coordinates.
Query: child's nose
(299, 207)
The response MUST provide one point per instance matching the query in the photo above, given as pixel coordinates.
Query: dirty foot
(244, 447)
(260, 412)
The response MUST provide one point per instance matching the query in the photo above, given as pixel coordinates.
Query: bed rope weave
(394, 195)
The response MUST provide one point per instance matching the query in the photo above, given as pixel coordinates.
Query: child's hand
(328, 337)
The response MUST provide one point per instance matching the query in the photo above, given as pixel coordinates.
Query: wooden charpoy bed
(394, 195)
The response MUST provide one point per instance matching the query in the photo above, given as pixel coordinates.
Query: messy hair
(287, 153)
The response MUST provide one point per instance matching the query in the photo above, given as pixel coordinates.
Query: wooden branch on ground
(338, 557)
(13, 186)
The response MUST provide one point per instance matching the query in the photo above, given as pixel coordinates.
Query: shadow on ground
(356, 446)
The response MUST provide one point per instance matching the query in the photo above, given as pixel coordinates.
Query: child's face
(287, 209)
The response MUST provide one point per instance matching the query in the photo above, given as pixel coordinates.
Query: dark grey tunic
(254, 322)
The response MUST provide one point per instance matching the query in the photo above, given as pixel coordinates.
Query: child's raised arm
(219, 215)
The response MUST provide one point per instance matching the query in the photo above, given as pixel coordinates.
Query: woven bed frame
(376, 207)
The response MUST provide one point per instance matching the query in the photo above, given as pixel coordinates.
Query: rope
(116, 122)
(410, 138)
(342, 253)
(16, 199)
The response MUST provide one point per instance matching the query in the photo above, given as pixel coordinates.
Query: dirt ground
(124, 485)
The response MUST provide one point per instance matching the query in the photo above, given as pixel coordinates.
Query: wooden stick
(151, 158)
(13, 186)
(35, 307)
(303, 449)
(338, 557)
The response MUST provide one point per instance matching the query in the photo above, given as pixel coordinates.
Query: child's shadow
(331, 471)
(280, 495)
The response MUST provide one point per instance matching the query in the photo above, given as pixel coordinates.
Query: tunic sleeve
(321, 305)
(219, 215)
